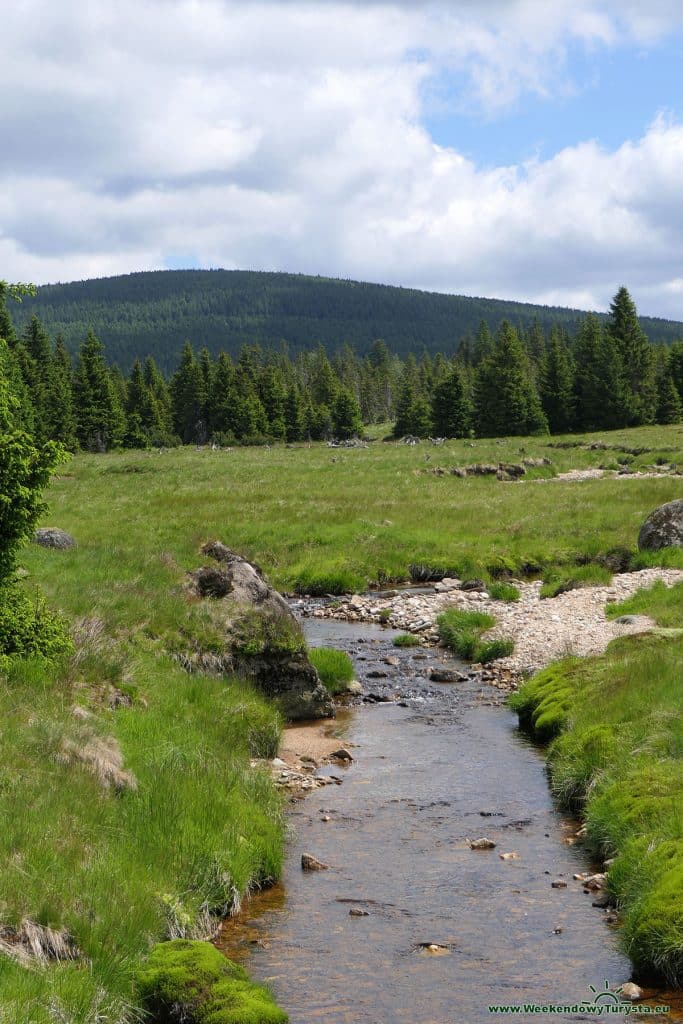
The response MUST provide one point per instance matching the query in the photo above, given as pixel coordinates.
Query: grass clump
(193, 982)
(559, 581)
(617, 755)
(334, 667)
(406, 640)
(317, 582)
(461, 631)
(499, 590)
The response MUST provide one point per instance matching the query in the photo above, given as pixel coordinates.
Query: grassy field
(144, 816)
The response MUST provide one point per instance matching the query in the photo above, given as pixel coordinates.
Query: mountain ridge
(154, 312)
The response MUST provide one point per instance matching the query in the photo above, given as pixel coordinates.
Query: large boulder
(263, 639)
(663, 528)
(53, 537)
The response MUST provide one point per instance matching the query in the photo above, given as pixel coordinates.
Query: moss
(191, 981)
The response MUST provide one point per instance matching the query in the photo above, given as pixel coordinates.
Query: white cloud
(289, 136)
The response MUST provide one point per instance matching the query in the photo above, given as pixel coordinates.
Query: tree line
(519, 381)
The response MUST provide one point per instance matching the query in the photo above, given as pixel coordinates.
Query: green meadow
(136, 817)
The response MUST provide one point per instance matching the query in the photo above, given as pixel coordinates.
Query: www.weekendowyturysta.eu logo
(604, 1001)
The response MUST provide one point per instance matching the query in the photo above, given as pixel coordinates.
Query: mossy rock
(193, 983)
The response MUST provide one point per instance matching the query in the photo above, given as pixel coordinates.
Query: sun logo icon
(605, 996)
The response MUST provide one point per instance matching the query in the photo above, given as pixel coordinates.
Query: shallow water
(446, 767)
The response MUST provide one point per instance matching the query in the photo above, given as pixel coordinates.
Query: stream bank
(435, 766)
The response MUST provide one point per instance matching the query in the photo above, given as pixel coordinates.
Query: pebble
(482, 844)
(559, 883)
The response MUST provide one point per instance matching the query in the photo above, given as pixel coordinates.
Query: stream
(438, 766)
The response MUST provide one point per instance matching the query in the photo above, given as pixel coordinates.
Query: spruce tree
(158, 389)
(59, 401)
(407, 394)
(637, 359)
(346, 418)
(221, 399)
(295, 424)
(100, 418)
(556, 384)
(189, 397)
(506, 399)
(669, 405)
(675, 366)
(599, 391)
(452, 406)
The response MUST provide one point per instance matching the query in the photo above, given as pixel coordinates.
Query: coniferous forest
(512, 381)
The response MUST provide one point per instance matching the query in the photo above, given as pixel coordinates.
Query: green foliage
(559, 581)
(28, 628)
(461, 631)
(194, 982)
(501, 591)
(335, 668)
(406, 640)
(25, 467)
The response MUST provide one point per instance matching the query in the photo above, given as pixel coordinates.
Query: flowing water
(440, 765)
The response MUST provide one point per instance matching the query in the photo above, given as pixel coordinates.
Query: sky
(519, 149)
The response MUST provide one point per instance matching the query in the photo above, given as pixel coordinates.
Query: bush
(461, 631)
(501, 591)
(191, 981)
(27, 628)
(335, 668)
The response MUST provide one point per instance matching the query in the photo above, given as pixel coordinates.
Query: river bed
(440, 765)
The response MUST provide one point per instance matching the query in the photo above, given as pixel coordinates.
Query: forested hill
(153, 313)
